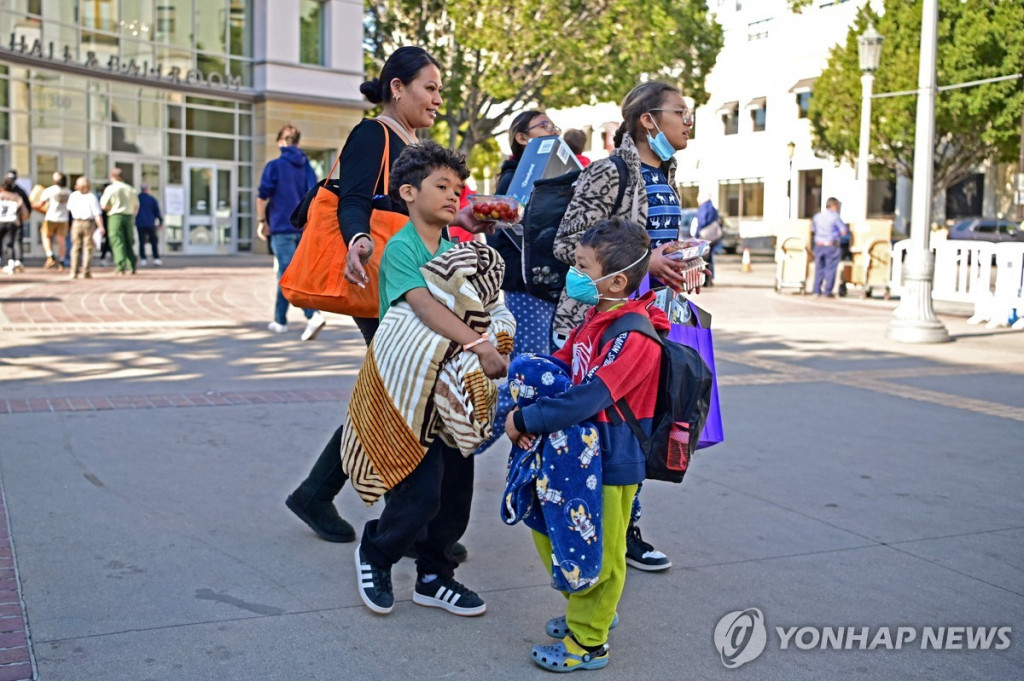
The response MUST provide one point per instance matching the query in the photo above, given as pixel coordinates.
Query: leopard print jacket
(592, 201)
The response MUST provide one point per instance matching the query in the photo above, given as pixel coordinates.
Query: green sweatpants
(589, 613)
(122, 241)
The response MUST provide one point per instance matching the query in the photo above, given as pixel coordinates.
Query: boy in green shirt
(435, 498)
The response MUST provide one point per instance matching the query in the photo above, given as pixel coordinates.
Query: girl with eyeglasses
(656, 124)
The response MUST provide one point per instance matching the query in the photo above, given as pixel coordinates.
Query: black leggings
(10, 242)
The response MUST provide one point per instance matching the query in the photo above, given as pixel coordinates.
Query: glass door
(210, 223)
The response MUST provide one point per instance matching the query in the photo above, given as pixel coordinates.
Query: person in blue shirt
(147, 220)
(284, 183)
(829, 229)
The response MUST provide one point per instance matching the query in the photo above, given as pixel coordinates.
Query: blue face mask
(581, 288)
(660, 144)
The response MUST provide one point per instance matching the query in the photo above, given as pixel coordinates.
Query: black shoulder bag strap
(631, 321)
(620, 163)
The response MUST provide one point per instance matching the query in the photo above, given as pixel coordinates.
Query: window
(757, 30)
(964, 198)
(730, 118)
(758, 113)
(311, 32)
(688, 195)
(742, 198)
(881, 191)
(803, 102)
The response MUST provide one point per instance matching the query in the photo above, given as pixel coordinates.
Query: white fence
(964, 274)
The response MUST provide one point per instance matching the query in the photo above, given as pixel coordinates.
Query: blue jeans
(284, 246)
(826, 262)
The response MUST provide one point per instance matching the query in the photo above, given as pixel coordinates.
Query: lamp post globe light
(914, 319)
(869, 52)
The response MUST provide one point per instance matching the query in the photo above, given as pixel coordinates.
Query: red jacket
(633, 374)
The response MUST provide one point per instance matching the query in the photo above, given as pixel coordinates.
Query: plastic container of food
(502, 210)
(688, 249)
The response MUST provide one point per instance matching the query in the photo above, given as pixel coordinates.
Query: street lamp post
(914, 320)
(790, 148)
(869, 51)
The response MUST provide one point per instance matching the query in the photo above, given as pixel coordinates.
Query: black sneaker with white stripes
(374, 584)
(450, 595)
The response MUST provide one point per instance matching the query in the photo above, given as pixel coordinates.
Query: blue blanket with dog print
(555, 486)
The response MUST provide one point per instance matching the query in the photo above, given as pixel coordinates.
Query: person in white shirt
(84, 208)
(55, 222)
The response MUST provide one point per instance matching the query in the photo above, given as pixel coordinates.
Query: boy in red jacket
(611, 261)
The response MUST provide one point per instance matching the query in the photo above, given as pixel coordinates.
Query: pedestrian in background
(147, 221)
(14, 211)
(285, 181)
(577, 141)
(86, 218)
(10, 234)
(829, 230)
(121, 202)
(708, 227)
(55, 221)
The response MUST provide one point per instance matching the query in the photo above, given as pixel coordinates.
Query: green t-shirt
(400, 265)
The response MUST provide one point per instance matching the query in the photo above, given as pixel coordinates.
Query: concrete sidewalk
(150, 429)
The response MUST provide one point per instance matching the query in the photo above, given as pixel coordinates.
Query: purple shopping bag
(699, 338)
(697, 335)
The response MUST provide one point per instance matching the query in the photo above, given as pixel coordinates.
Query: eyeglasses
(547, 126)
(685, 113)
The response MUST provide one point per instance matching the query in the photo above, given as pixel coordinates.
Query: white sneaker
(157, 262)
(9, 267)
(18, 267)
(313, 326)
(143, 262)
(277, 328)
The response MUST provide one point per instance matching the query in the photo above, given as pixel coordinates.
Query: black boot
(313, 500)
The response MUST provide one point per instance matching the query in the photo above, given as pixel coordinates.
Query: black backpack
(684, 397)
(543, 273)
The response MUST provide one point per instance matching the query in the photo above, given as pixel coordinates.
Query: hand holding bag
(315, 279)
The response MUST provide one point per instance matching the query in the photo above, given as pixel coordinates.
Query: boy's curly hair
(618, 243)
(419, 160)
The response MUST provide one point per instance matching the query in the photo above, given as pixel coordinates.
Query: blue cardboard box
(544, 157)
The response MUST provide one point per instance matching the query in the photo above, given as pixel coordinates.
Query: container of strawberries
(502, 210)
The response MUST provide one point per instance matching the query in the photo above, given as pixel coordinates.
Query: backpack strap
(620, 163)
(631, 321)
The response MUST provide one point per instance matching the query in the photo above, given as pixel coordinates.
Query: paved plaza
(151, 428)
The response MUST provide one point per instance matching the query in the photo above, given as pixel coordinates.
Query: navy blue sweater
(149, 211)
(285, 181)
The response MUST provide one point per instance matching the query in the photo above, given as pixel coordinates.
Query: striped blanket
(415, 384)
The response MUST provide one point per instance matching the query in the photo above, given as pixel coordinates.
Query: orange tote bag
(315, 278)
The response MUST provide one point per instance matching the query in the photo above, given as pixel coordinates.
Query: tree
(977, 39)
(501, 56)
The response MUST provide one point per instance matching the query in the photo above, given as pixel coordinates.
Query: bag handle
(385, 162)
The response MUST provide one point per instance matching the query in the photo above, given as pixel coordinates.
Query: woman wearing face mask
(409, 87)
(656, 124)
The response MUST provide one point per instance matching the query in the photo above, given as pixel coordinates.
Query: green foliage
(501, 56)
(977, 39)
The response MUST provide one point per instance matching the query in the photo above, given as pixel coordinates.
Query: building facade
(751, 150)
(186, 96)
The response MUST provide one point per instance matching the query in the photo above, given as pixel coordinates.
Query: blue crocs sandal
(559, 658)
(557, 627)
